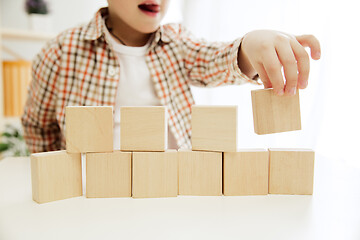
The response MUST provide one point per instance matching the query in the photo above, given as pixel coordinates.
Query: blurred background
(329, 106)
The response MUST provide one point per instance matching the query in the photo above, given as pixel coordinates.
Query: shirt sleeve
(211, 64)
(41, 129)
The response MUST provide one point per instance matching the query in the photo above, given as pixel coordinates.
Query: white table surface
(333, 212)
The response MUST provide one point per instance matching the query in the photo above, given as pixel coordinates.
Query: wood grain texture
(214, 128)
(246, 172)
(291, 171)
(16, 78)
(143, 128)
(273, 114)
(155, 174)
(89, 129)
(200, 173)
(108, 175)
(55, 176)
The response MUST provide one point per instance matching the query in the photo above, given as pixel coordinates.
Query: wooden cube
(291, 171)
(108, 174)
(55, 176)
(246, 172)
(155, 174)
(143, 128)
(214, 128)
(200, 173)
(273, 114)
(89, 129)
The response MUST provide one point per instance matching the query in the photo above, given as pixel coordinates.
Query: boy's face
(143, 16)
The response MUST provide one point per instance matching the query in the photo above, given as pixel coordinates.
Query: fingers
(303, 64)
(279, 54)
(272, 67)
(287, 58)
(263, 75)
(311, 42)
(293, 58)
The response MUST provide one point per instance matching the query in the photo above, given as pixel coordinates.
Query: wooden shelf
(18, 34)
(21, 35)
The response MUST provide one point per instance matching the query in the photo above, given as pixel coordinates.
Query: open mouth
(149, 8)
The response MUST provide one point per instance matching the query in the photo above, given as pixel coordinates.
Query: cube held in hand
(273, 114)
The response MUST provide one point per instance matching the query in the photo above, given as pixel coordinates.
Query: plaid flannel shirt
(79, 68)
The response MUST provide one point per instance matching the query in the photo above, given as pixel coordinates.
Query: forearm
(41, 139)
(218, 67)
(41, 129)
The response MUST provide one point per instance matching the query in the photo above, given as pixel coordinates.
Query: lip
(150, 8)
(150, 2)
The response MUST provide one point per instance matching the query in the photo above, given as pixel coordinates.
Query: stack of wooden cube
(144, 167)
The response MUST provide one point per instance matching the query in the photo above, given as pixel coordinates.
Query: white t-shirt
(135, 87)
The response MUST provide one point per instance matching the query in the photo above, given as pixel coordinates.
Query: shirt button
(112, 71)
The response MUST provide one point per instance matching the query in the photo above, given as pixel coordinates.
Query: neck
(126, 34)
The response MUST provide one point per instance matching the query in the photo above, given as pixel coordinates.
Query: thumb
(311, 42)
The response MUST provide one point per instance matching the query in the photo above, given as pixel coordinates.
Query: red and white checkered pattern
(79, 68)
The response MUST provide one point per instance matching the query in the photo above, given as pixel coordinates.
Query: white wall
(64, 14)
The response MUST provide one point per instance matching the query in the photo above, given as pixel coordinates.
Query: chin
(148, 28)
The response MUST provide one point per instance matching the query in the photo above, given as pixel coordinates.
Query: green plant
(12, 142)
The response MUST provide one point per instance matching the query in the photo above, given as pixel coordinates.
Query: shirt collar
(96, 29)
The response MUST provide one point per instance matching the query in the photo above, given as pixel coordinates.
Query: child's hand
(266, 52)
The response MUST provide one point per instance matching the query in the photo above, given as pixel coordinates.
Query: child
(124, 57)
